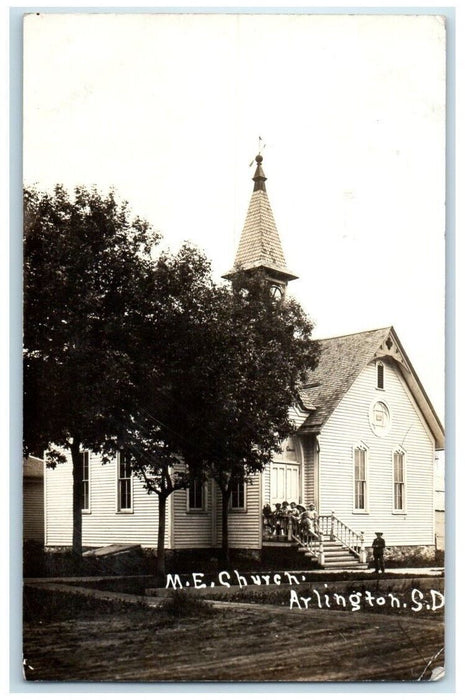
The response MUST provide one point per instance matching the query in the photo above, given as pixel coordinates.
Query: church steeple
(260, 245)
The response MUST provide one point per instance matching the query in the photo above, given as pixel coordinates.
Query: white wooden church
(363, 452)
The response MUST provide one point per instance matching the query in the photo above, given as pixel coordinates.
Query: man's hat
(378, 533)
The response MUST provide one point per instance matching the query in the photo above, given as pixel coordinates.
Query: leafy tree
(266, 351)
(171, 375)
(86, 266)
(193, 379)
(228, 369)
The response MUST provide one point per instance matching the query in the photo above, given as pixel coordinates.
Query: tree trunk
(161, 562)
(77, 497)
(225, 496)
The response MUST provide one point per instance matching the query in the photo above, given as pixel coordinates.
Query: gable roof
(260, 245)
(341, 361)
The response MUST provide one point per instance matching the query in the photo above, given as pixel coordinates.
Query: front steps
(336, 556)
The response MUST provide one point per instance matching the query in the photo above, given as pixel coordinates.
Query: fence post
(321, 551)
(363, 554)
(331, 537)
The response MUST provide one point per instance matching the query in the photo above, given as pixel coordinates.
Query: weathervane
(261, 147)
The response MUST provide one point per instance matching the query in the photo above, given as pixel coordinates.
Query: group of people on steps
(291, 518)
(302, 522)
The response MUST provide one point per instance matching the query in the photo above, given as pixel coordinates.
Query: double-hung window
(85, 481)
(196, 495)
(238, 496)
(124, 482)
(399, 480)
(360, 479)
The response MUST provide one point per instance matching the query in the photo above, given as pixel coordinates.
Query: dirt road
(243, 643)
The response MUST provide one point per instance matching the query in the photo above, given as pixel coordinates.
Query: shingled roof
(260, 245)
(341, 361)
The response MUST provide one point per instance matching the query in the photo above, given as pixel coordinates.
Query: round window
(380, 418)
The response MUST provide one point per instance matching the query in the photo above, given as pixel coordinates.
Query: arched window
(379, 375)
(360, 478)
(288, 451)
(399, 480)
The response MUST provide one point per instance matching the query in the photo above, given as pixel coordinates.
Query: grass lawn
(72, 638)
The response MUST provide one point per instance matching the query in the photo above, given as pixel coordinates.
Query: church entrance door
(285, 483)
(285, 474)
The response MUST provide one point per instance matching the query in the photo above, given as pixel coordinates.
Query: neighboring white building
(364, 450)
(33, 500)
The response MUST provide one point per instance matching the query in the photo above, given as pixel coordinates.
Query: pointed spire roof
(260, 245)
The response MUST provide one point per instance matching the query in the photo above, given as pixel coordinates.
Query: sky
(168, 109)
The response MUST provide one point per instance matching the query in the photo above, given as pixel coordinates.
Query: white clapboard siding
(244, 526)
(266, 481)
(349, 425)
(440, 529)
(192, 529)
(308, 444)
(103, 525)
(58, 484)
(33, 509)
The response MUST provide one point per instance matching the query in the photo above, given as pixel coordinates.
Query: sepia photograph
(234, 274)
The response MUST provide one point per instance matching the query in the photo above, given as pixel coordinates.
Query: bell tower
(260, 246)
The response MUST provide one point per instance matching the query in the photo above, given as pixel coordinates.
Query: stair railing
(337, 530)
(313, 544)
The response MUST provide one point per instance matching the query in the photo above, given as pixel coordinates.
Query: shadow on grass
(182, 604)
(41, 606)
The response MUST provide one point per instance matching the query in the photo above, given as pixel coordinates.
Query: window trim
(84, 481)
(119, 510)
(204, 507)
(365, 510)
(399, 511)
(239, 509)
(380, 365)
(385, 430)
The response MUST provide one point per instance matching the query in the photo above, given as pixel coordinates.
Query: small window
(124, 482)
(399, 480)
(196, 495)
(85, 481)
(380, 375)
(238, 496)
(360, 478)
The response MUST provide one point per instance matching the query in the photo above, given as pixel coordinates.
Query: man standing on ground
(378, 552)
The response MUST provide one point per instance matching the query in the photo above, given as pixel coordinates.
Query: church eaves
(341, 361)
(260, 245)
